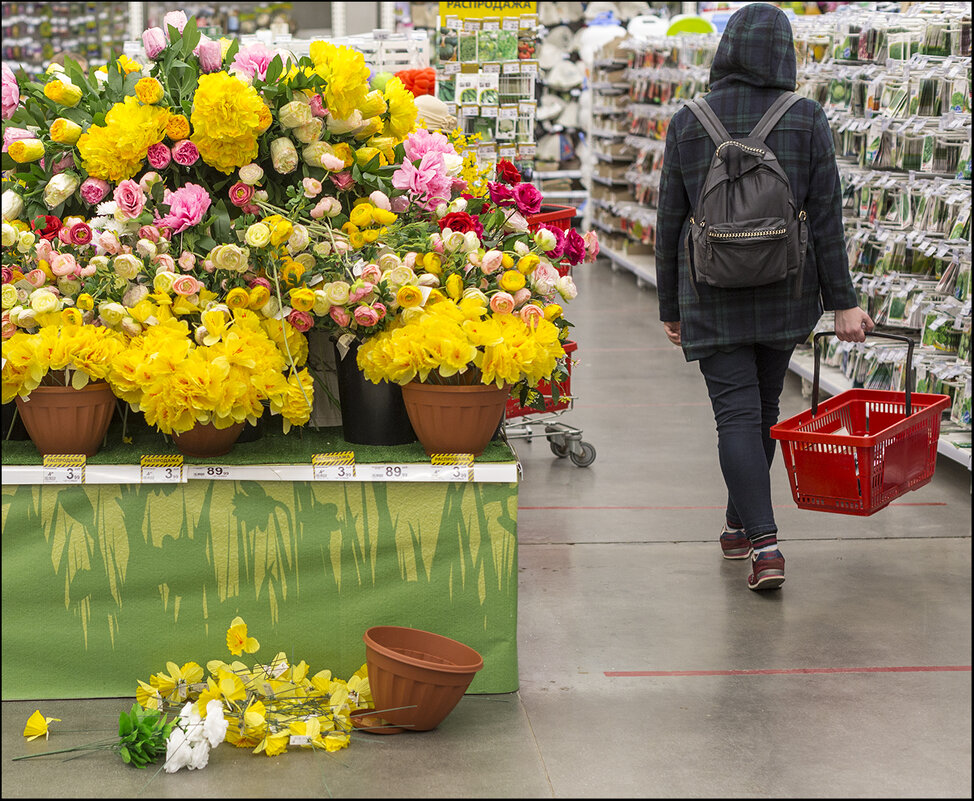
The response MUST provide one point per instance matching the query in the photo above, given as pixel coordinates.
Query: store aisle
(724, 692)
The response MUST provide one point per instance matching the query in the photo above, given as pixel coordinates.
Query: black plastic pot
(372, 414)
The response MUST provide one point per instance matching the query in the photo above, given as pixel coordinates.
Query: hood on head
(756, 47)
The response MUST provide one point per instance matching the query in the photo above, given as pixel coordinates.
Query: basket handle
(908, 378)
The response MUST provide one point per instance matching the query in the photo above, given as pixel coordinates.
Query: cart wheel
(559, 450)
(586, 457)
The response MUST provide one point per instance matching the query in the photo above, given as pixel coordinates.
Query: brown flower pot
(417, 677)
(204, 441)
(454, 419)
(68, 420)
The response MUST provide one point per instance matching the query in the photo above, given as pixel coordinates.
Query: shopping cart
(564, 440)
(861, 448)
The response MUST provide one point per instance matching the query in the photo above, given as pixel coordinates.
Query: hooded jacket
(754, 63)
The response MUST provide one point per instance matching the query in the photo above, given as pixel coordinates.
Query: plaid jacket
(755, 61)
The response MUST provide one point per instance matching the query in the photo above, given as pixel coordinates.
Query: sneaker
(767, 571)
(734, 544)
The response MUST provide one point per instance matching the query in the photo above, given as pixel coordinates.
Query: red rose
(462, 222)
(51, 226)
(507, 172)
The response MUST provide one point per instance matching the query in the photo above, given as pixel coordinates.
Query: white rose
(566, 287)
(298, 240)
(26, 241)
(60, 188)
(22, 317)
(460, 204)
(13, 205)
(471, 241)
(146, 248)
(453, 163)
(9, 234)
(111, 313)
(8, 296)
(43, 301)
(251, 174)
(127, 266)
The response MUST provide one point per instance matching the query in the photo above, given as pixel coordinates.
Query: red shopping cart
(862, 448)
(557, 217)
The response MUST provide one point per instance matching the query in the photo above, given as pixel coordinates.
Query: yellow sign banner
(475, 10)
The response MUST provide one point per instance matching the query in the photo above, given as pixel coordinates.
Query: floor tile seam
(789, 540)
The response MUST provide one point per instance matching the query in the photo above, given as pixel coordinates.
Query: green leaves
(274, 70)
(142, 736)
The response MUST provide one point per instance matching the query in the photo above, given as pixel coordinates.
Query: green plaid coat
(755, 61)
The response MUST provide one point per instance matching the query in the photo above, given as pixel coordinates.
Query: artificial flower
(237, 639)
(37, 725)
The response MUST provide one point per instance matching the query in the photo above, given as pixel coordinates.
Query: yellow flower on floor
(274, 744)
(37, 725)
(359, 690)
(237, 639)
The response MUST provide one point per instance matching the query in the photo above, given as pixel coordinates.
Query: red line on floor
(786, 671)
(776, 506)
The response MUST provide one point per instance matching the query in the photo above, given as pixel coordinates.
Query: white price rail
(211, 472)
(338, 466)
(452, 466)
(161, 469)
(64, 468)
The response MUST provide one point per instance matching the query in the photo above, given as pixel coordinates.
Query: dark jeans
(744, 386)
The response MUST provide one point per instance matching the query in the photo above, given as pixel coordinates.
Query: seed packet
(468, 41)
(449, 39)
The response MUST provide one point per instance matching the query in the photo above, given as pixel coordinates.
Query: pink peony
(187, 261)
(302, 321)
(186, 285)
(366, 316)
(175, 18)
(527, 198)
(591, 239)
(64, 264)
(130, 199)
(379, 309)
(11, 135)
(318, 106)
(337, 313)
(331, 162)
(253, 61)
(37, 278)
(43, 250)
(210, 54)
(428, 183)
(185, 153)
(80, 234)
(380, 200)
(574, 249)
(159, 156)
(421, 142)
(108, 242)
(187, 206)
(154, 42)
(241, 193)
(372, 273)
(343, 180)
(10, 94)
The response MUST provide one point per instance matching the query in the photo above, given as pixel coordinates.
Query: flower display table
(105, 581)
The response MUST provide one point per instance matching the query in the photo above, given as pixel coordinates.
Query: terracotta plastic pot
(68, 420)
(417, 677)
(204, 441)
(454, 419)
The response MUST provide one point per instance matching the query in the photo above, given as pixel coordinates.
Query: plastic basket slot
(826, 470)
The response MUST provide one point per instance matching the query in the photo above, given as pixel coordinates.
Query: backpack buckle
(801, 215)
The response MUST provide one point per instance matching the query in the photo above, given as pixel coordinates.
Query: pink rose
(10, 93)
(185, 153)
(108, 241)
(366, 316)
(210, 54)
(130, 198)
(81, 234)
(154, 42)
(167, 262)
(360, 292)
(43, 250)
(531, 314)
(209, 266)
(175, 18)
(302, 321)
(186, 285)
(7, 329)
(6, 275)
(502, 303)
(159, 156)
(343, 180)
(312, 187)
(492, 261)
(559, 235)
(11, 135)
(149, 232)
(527, 198)
(36, 278)
(241, 193)
(318, 106)
(500, 194)
(574, 249)
(337, 313)
(372, 273)
(94, 190)
(187, 261)
(591, 239)
(63, 265)
(543, 279)
(64, 235)
(187, 207)
(522, 296)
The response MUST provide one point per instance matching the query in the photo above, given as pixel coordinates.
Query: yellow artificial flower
(149, 91)
(258, 235)
(238, 298)
(274, 744)
(62, 91)
(511, 281)
(177, 128)
(402, 109)
(384, 216)
(291, 272)
(507, 261)
(409, 296)
(148, 696)
(373, 105)
(433, 263)
(24, 151)
(116, 150)
(228, 116)
(454, 286)
(128, 65)
(281, 232)
(552, 311)
(364, 155)
(65, 131)
(37, 725)
(343, 150)
(231, 686)
(361, 215)
(370, 235)
(302, 298)
(72, 316)
(356, 240)
(85, 302)
(237, 639)
(527, 262)
(259, 295)
(346, 75)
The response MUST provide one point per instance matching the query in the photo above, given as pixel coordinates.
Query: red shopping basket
(861, 448)
(557, 217)
(514, 409)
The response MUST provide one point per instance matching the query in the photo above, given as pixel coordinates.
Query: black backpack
(746, 229)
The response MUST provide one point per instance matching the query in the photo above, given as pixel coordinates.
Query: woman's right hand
(851, 325)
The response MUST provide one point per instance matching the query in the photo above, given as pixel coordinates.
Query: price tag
(511, 67)
(299, 739)
(452, 466)
(451, 67)
(161, 469)
(529, 68)
(488, 111)
(491, 67)
(470, 111)
(510, 24)
(390, 472)
(338, 466)
(508, 152)
(209, 472)
(64, 468)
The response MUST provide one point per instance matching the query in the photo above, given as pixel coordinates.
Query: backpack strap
(771, 117)
(705, 114)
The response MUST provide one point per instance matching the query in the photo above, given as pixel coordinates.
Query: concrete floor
(853, 680)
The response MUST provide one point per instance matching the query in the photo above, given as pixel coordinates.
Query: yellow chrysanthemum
(177, 128)
(228, 117)
(149, 91)
(116, 150)
(402, 109)
(346, 75)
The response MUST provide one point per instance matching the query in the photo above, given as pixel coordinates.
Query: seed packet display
(449, 39)
(468, 41)
(507, 122)
(489, 84)
(527, 35)
(487, 38)
(507, 39)
(467, 88)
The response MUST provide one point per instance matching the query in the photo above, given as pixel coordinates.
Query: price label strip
(452, 466)
(209, 472)
(390, 472)
(163, 469)
(64, 468)
(338, 466)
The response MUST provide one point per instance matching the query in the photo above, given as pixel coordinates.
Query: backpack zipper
(742, 146)
(747, 234)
